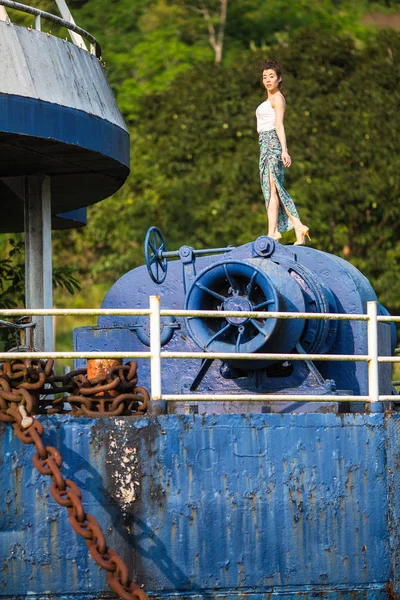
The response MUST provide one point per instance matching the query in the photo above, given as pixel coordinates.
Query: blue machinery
(204, 499)
(260, 275)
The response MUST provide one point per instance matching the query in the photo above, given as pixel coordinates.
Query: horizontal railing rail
(95, 47)
(171, 312)
(156, 354)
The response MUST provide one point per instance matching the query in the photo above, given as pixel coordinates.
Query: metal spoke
(266, 303)
(257, 326)
(229, 278)
(205, 365)
(238, 341)
(163, 265)
(152, 247)
(220, 332)
(211, 292)
(157, 271)
(153, 259)
(250, 286)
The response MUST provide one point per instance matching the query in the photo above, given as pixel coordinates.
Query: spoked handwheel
(154, 247)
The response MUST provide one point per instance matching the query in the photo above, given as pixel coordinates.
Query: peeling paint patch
(125, 468)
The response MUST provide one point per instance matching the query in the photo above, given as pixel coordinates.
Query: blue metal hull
(261, 505)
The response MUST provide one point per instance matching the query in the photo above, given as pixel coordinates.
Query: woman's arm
(279, 108)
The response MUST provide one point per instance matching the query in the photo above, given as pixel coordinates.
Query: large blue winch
(259, 276)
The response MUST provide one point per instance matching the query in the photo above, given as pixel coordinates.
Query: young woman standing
(274, 156)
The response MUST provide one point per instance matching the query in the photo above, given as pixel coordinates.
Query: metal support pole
(38, 255)
(373, 365)
(66, 14)
(155, 348)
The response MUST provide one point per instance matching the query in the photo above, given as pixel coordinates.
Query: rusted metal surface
(40, 557)
(21, 383)
(66, 493)
(113, 392)
(393, 477)
(100, 367)
(265, 506)
(264, 501)
(33, 383)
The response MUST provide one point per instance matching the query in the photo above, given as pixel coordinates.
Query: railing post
(155, 348)
(373, 365)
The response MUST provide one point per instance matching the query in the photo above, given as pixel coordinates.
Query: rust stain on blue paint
(226, 506)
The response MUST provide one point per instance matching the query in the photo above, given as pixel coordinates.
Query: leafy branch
(12, 277)
(12, 286)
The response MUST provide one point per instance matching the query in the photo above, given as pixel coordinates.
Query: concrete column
(38, 255)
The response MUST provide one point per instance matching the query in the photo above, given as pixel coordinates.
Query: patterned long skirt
(271, 159)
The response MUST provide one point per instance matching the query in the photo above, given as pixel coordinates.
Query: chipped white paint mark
(125, 471)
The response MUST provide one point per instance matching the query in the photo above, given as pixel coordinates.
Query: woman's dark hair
(275, 66)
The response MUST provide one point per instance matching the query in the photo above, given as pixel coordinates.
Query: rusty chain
(24, 387)
(113, 392)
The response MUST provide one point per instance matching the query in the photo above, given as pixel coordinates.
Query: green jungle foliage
(12, 276)
(194, 142)
(195, 160)
(148, 43)
(12, 287)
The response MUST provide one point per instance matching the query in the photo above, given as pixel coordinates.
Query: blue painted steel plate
(271, 506)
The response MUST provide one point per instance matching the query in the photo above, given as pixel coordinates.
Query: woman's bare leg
(297, 224)
(300, 229)
(273, 208)
(273, 211)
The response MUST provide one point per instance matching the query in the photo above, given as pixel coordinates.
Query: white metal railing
(156, 354)
(76, 33)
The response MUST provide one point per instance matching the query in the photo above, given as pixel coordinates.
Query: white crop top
(266, 118)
